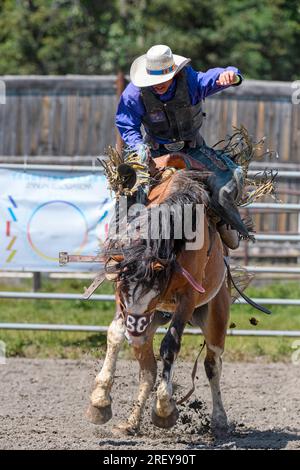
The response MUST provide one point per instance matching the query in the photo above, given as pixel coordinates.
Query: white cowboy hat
(157, 66)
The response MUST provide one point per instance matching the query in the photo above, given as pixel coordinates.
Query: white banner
(43, 213)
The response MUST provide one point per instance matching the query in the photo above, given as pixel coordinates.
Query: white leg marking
(164, 403)
(145, 387)
(216, 349)
(219, 418)
(104, 380)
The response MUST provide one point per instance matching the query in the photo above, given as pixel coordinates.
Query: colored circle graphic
(56, 226)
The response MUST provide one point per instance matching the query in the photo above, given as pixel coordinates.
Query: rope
(187, 396)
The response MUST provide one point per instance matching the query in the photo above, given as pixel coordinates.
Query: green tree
(53, 37)
(261, 37)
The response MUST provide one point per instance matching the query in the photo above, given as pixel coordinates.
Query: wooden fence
(57, 116)
(265, 109)
(74, 116)
(58, 119)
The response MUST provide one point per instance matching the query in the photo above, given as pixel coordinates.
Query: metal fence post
(37, 281)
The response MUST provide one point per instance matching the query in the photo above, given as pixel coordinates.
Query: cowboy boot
(226, 188)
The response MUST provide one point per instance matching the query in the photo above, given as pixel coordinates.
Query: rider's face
(162, 87)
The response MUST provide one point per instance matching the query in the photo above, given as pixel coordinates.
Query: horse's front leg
(99, 410)
(164, 412)
(147, 377)
(143, 350)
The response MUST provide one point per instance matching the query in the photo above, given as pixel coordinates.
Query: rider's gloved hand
(144, 153)
(229, 77)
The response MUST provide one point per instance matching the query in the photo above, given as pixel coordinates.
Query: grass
(79, 345)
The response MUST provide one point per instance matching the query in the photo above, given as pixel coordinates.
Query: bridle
(150, 311)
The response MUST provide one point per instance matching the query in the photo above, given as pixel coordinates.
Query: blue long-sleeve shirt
(131, 108)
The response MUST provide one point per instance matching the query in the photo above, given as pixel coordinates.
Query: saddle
(178, 161)
(159, 166)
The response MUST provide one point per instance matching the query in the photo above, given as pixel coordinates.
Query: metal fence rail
(286, 206)
(96, 167)
(91, 275)
(111, 298)
(273, 269)
(277, 238)
(103, 329)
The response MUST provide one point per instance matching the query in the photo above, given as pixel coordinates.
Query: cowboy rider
(165, 97)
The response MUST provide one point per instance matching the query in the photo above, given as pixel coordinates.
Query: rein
(191, 391)
(249, 301)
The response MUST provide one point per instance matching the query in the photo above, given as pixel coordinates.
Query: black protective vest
(176, 119)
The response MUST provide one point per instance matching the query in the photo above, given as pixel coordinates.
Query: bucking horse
(166, 279)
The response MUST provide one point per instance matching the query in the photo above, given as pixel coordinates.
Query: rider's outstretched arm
(204, 84)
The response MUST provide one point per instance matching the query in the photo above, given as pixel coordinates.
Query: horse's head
(140, 282)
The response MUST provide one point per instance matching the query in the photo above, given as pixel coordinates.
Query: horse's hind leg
(214, 326)
(99, 410)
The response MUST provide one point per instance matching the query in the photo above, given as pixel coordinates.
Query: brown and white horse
(161, 275)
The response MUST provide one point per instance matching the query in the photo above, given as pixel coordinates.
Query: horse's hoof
(99, 415)
(125, 429)
(219, 428)
(165, 422)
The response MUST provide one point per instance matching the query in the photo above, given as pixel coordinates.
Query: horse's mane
(139, 255)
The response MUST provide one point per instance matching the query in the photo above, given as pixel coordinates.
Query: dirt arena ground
(43, 403)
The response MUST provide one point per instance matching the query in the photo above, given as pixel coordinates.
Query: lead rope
(187, 396)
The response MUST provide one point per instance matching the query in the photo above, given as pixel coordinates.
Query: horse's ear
(157, 266)
(118, 258)
(113, 276)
